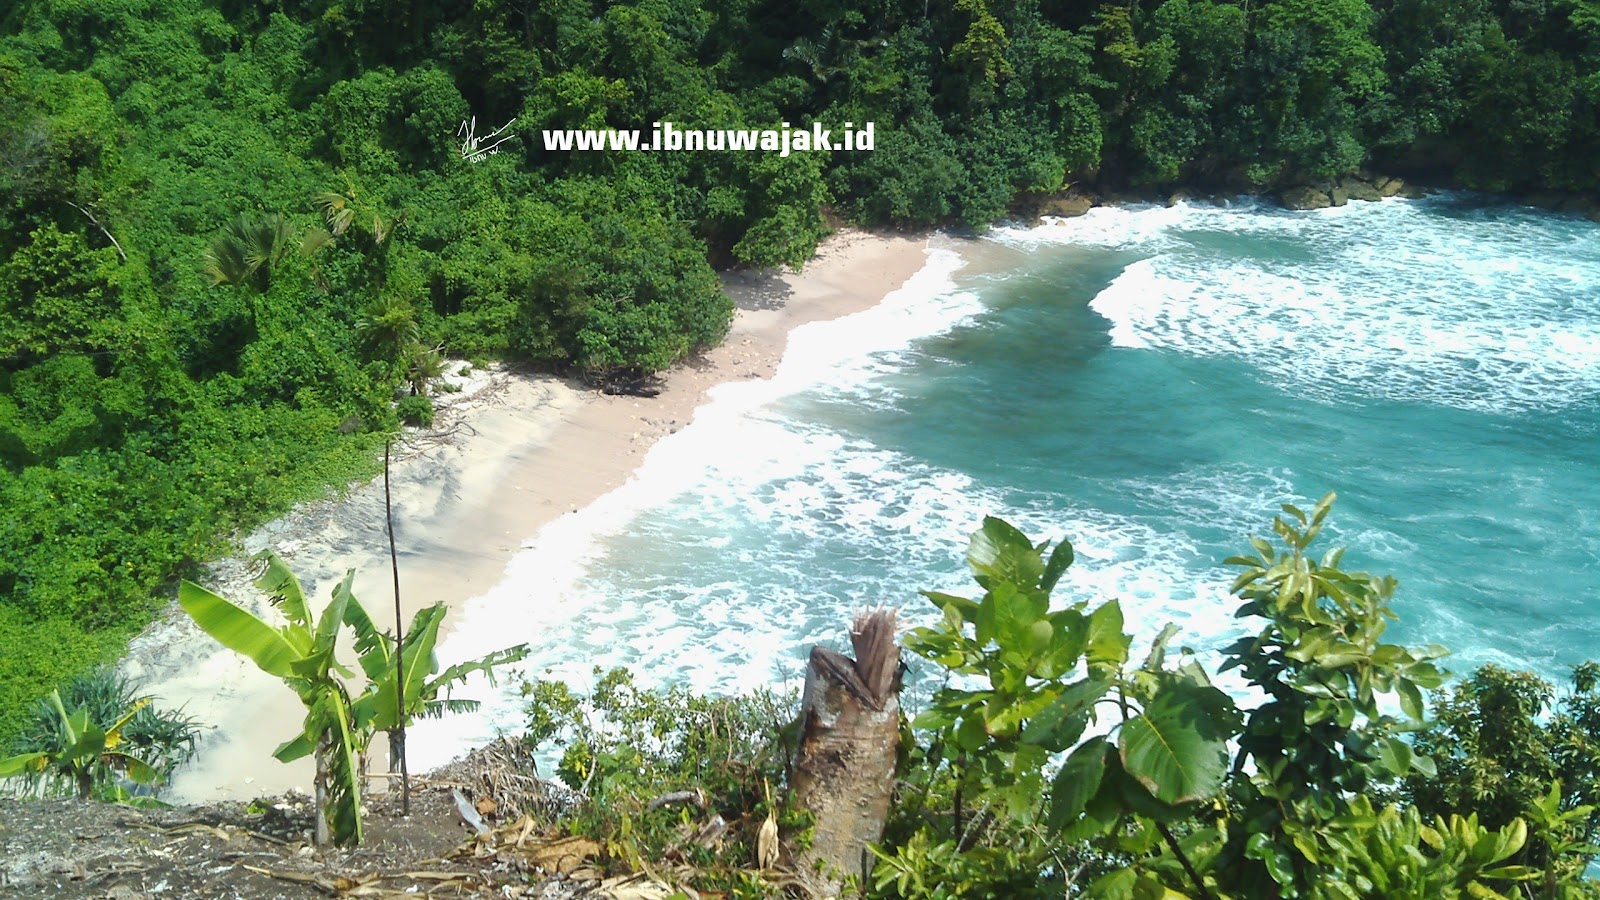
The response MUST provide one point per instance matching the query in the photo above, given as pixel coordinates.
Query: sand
(509, 453)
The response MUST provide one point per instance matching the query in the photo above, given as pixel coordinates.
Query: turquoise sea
(1149, 384)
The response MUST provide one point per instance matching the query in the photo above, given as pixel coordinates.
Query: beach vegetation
(301, 653)
(1053, 764)
(165, 739)
(79, 752)
(1058, 756)
(1508, 747)
(415, 410)
(666, 774)
(413, 675)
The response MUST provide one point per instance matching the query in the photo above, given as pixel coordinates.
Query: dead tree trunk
(849, 736)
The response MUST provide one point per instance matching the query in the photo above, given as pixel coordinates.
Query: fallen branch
(696, 796)
(103, 230)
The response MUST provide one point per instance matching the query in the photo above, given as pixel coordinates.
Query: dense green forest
(235, 234)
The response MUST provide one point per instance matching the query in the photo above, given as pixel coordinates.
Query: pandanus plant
(84, 752)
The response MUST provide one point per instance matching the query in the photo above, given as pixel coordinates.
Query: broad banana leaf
(420, 666)
(24, 764)
(372, 645)
(238, 630)
(280, 584)
(298, 747)
(319, 659)
(135, 768)
(378, 704)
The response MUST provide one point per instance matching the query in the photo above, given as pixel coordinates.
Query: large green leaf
(1015, 613)
(333, 614)
(1077, 781)
(485, 664)
(1177, 748)
(966, 609)
(1107, 644)
(372, 645)
(1062, 722)
(380, 705)
(238, 630)
(1060, 558)
(24, 764)
(298, 747)
(999, 552)
(136, 769)
(321, 657)
(418, 654)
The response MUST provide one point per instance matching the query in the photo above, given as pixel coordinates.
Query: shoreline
(510, 454)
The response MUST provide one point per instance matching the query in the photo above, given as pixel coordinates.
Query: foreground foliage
(162, 739)
(84, 754)
(1509, 748)
(1178, 792)
(669, 776)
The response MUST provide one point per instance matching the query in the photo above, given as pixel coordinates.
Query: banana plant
(302, 654)
(379, 703)
(86, 752)
(377, 707)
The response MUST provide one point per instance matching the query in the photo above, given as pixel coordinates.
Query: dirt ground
(262, 850)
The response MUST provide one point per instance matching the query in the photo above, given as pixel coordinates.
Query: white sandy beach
(509, 454)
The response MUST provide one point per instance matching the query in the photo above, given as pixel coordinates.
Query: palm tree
(387, 328)
(247, 249)
(340, 211)
(424, 367)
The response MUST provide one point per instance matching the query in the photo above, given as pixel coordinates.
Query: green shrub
(1176, 792)
(165, 739)
(623, 746)
(415, 410)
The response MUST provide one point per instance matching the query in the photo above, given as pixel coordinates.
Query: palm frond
(314, 241)
(338, 209)
(227, 258)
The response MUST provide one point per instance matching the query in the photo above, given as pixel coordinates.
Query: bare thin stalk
(399, 641)
(1172, 843)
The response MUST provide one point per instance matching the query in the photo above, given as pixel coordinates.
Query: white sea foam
(825, 525)
(850, 526)
(1371, 300)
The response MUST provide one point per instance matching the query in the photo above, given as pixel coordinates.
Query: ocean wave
(1491, 315)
